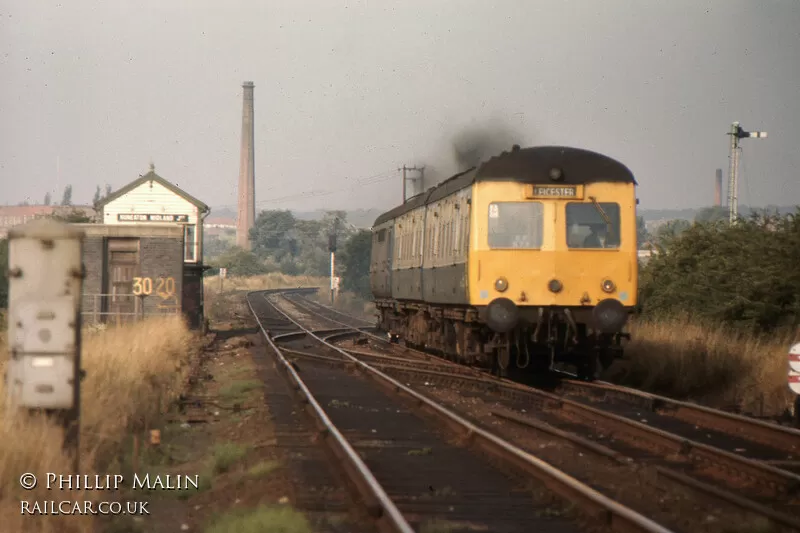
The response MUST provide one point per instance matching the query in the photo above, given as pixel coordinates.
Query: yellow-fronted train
(525, 261)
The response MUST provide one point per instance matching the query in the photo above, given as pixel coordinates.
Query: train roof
(525, 165)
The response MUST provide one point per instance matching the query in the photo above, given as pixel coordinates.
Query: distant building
(153, 201)
(219, 225)
(14, 215)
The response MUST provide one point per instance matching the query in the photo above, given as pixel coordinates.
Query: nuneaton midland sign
(136, 217)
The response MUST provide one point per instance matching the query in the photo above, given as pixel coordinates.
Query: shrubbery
(719, 306)
(744, 275)
(3, 273)
(282, 243)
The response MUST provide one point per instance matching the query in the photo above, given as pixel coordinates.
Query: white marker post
(223, 273)
(44, 322)
(794, 380)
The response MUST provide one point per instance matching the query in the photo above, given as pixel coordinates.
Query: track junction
(429, 445)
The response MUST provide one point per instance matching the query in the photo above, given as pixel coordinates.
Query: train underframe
(541, 337)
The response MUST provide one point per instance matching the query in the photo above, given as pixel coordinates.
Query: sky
(345, 93)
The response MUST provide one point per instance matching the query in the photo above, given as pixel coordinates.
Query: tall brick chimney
(718, 188)
(247, 178)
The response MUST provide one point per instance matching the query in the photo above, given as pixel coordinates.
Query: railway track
(782, 443)
(743, 476)
(413, 462)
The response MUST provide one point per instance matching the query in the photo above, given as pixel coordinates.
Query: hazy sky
(91, 91)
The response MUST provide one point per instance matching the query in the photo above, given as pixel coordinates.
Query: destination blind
(545, 191)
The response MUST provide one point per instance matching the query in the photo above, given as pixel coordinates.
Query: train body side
(380, 265)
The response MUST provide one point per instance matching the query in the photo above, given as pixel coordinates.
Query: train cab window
(515, 225)
(591, 225)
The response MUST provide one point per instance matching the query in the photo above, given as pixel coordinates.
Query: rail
(774, 435)
(761, 471)
(370, 488)
(614, 514)
(777, 436)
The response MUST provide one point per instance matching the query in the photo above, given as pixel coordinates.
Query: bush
(744, 275)
(719, 305)
(3, 273)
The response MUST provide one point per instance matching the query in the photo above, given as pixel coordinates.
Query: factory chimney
(247, 179)
(718, 189)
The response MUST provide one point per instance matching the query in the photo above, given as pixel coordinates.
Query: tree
(47, 199)
(354, 260)
(743, 275)
(312, 240)
(711, 214)
(214, 246)
(108, 190)
(73, 216)
(642, 236)
(669, 231)
(271, 235)
(97, 197)
(67, 198)
(3, 273)
(241, 263)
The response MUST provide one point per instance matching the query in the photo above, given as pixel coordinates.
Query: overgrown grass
(237, 390)
(708, 363)
(218, 303)
(347, 302)
(132, 373)
(274, 280)
(227, 454)
(262, 468)
(261, 519)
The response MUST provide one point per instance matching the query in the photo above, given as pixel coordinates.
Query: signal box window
(515, 225)
(593, 226)
(190, 244)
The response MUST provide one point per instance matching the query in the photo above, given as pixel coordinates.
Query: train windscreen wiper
(603, 214)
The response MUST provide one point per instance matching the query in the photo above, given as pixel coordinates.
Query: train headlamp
(555, 286)
(556, 174)
(501, 284)
(608, 285)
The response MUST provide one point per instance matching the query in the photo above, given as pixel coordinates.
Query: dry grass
(275, 280)
(708, 364)
(347, 302)
(133, 372)
(218, 303)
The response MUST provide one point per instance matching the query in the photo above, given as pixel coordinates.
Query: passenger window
(593, 226)
(515, 225)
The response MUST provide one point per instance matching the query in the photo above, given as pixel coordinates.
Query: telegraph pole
(421, 179)
(332, 250)
(737, 133)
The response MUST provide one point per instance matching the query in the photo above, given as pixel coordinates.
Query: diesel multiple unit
(527, 260)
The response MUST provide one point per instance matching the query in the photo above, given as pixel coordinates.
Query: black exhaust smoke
(475, 144)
